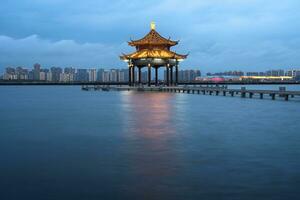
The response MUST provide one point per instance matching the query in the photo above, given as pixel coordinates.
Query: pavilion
(153, 51)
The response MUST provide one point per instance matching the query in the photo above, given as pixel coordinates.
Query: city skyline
(71, 74)
(219, 35)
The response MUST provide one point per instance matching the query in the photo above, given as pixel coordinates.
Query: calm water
(64, 143)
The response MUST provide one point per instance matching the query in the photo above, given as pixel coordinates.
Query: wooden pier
(205, 90)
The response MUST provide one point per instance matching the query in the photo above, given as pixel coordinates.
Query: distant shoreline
(3, 83)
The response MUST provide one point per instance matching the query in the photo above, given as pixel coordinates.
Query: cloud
(219, 34)
(32, 49)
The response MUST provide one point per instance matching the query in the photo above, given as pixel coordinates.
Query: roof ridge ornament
(153, 37)
(152, 25)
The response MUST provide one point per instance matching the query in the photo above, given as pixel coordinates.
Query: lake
(58, 142)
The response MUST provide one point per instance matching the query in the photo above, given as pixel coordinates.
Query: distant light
(267, 77)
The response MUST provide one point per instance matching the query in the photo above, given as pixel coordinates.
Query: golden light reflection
(151, 139)
(149, 113)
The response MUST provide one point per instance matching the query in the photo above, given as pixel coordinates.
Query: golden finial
(152, 25)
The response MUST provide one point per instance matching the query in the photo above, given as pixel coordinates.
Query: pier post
(171, 75)
(140, 75)
(261, 95)
(176, 73)
(129, 75)
(282, 89)
(273, 96)
(133, 75)
(149, 75)
(250, 94)
(286, 97)
(224, 93)
(243, 93)
(168, 74)
(156, 76)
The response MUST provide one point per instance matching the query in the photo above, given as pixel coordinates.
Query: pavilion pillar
(176, 74)
(149, 75)
(129, 75)
(156, 76)
(133, 75)
(171, 75)
(168, 74)
(140, 75)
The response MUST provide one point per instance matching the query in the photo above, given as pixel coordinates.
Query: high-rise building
(278, 72)
(228, 73)
(194, 74)
(82, 75)
(126, 74)
(56, 71)
(10, 70)
(48, 76)
(252, 73)
(10, 74)
(31, 75)
(69, 70)
(42, 76)
(22, 74)
(106, 75)
(92, 75)
(293, 72)
(113, 75)
(36, 71)
(100, 73)
(122, 75)
(66, 77)
(187, 75)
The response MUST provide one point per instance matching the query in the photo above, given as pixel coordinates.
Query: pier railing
(205, 90)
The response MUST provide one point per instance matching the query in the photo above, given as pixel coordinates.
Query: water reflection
(149, 114)
(152, 141)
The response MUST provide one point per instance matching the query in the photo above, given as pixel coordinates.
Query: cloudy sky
(220, 35)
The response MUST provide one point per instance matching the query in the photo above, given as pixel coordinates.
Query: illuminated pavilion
(153, 51)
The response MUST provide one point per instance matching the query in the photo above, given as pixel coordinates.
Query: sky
(219, 35)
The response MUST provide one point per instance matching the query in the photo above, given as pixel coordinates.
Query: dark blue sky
(250, 35)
